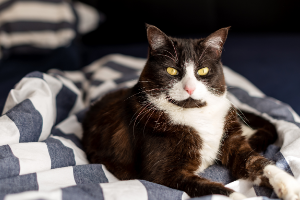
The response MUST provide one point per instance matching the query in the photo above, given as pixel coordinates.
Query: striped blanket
(41, 156)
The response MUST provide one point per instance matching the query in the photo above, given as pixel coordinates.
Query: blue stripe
(96, 82)
(60, 155)
(264, 105)
(271, 151)
(78, 85)
(266, 198)
(88, 75)
(28, 120)
(218, 173)
(83, 192)
(263, 191)
(35, 74)
(71, 136)
(282, 163)
(81, 114)
(120, 68)
(156, 191)
(208, 197)
(65, 101)
(274, 154)
(22, 26)
(92, 173)
(9, 164)
(19, 184)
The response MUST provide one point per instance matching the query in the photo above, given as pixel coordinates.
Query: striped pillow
(35, 26)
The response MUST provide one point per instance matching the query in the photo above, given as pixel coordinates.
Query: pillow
(38, 26)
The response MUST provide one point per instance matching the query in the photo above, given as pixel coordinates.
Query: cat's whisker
(158, 120)
(144, 114)
(142, 107)
(137, 118)
(144, 91)
(147, 121)
(241, 117)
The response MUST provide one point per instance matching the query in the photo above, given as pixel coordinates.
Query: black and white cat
(176, 121)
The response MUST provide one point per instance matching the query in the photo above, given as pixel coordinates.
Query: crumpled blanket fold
(41, 156)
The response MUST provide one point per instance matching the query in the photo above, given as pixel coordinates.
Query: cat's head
(186, 72)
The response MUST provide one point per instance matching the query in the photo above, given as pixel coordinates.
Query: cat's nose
(189, 90)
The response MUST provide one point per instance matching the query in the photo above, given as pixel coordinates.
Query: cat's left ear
(157, 39)
(217, 39)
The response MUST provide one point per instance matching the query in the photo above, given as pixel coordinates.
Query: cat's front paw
(237, 196)
(285, 186)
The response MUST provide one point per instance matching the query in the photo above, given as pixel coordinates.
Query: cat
(176, 121)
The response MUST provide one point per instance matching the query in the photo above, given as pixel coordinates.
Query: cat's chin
(188, 103)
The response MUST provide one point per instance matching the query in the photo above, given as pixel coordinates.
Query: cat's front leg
(245, 163)
(285, 186)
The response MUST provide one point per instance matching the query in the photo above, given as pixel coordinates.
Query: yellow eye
(203, 71)
(172, 71)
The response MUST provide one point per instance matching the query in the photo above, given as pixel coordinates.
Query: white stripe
(88, 17)
(243, 186)
(95, 91)
(110, 177)
(37, 11)
(71, 125)
(124, 190)
(55, 179)
(3, 1)
(80, 156)
(234, 79)
(135, 63)
(33, 157)
(185, 196)
(39, 93)
(219, 197)
(9, 132)
(106, 74)
(55, 86)
(40, 39)
(53, 195)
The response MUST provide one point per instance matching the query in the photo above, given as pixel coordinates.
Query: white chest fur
(207, 121)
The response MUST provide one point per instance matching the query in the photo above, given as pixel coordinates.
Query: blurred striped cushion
(35, 26)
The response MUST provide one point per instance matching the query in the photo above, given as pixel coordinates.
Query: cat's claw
(237, 196)
(285, 186)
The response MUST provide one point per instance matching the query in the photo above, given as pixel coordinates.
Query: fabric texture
(41, 156)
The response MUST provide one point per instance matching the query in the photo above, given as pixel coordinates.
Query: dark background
(126, 18)
(263, 43)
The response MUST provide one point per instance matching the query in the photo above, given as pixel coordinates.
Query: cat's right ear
(156, 38)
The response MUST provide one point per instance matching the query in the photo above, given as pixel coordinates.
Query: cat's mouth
(187, 103)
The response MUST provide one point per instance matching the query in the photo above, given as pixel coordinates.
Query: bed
(41, 156)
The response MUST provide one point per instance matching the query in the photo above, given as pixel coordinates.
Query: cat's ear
(217, 39)
(156, 38)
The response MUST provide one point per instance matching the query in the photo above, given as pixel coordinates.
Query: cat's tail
(259, 131)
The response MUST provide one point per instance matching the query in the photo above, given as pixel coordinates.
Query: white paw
(285, 186)
(237, 196)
